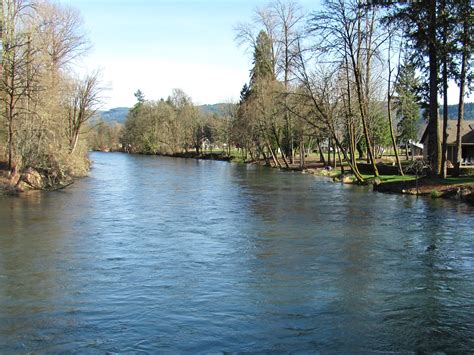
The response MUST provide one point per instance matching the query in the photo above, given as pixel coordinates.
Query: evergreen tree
(244, 93)
(406, 104)
(264, 68)
(262, 100)
(464, 76)
(140, 96)
(421, 21)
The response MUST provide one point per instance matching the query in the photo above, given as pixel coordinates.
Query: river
(155, 254)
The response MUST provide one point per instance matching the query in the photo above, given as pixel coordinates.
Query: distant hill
(453, 111)
(218, 109)
(118, 114)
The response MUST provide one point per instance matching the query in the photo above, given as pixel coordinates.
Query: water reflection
(157, 254)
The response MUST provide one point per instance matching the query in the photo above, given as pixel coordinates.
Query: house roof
(468, 138)
(415, 144)
(467, 131)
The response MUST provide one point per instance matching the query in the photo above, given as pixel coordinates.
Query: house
(416, 149)
(467, 140)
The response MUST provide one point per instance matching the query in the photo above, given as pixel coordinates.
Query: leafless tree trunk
(82, 106)
(288, 16)
(14, 67)
(389, 102)
(302, 153)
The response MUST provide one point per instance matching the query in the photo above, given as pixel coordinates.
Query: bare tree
(289, 18)
(14, 66)
(390, 93)
(346, 31)
(82, 104)
(282, 21)
(60, 30)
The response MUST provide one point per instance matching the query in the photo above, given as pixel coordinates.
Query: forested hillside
(468, 111)
(119, 114)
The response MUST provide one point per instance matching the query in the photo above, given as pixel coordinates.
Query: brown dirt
(6, 185)
(431, 187)
(425, 186)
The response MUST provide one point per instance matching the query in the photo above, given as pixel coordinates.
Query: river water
(153, 254)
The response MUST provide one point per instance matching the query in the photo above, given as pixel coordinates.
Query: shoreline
(430, 187)
(33, 180)
(435, 188)
(427, 187)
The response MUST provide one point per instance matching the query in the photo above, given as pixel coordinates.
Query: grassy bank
(453, 188)
(459, 188)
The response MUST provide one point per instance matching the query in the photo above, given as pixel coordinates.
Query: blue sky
(158, 45)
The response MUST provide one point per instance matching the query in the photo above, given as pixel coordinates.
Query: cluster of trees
(105, 136)
(350, 78)
(44, 107)
(170, 126)
(440, 38)
(353, 75)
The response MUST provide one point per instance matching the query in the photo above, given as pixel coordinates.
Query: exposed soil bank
(424, 187)
(432, 187)
(14, 183)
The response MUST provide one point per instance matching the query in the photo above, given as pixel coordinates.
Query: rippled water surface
(158, 254)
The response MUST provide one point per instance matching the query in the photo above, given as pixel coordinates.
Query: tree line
(44, 105)
(351, 72)
(351, 77)
(171, 126)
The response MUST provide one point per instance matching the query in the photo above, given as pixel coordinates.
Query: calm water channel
(157, 254)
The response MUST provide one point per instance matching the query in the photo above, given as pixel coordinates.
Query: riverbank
(34, 179)
(7, 185)
(461, 189)
(452, 188)
(14, 183)
(219, 156)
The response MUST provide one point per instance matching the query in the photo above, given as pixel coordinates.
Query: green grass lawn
(398, 178)
(457, 180)
(237, 157)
